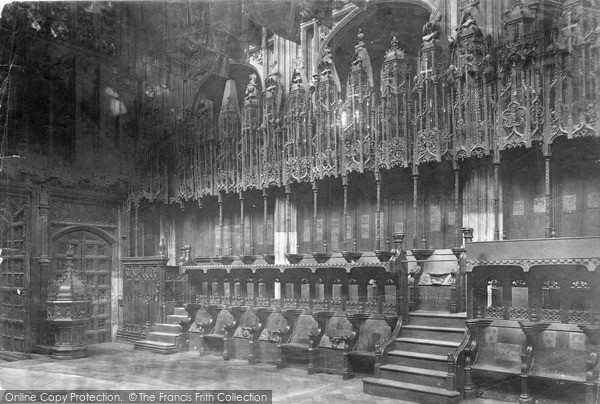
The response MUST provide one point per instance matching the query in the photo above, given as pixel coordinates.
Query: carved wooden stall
(143, 287)
(534, 306)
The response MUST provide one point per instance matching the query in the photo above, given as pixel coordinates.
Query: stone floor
(118, 366)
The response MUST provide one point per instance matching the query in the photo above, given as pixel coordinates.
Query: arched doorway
(93, 262)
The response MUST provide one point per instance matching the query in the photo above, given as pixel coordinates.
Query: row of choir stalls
(325, 318)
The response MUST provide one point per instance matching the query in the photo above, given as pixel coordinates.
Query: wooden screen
(13, 272)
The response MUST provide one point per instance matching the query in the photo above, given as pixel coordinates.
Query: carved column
(288, 221)
(242, 227)
(415, 203)
(36, 290)
(496, 200)
(220, 200)
(378, 219)
(457, 205)
(44, 209)
(265, 212)
(470, 286)
(345, 186)
(314, 227)
(548, 194)
(136, 230)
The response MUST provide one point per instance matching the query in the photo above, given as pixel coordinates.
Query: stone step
(432, 332)
(163, 337)
(156, 346)
(408, 374)
(418, 360)
(429, 346)
(437, 319)
(168, 328)
(409, 391)
(176, 318)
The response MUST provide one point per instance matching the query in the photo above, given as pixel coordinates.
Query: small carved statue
(361, 57)
(299, 75)
(431, 29)
(451, 74)
(328, 67)
(251, 88)
(468, 10)
(162, 249)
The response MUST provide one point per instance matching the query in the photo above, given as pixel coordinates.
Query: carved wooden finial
(70, 250)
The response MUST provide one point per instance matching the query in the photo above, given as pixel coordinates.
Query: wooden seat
(499, 349)
(242, 336)
(338, 330)
(296, 346)
(557, 354)
(215, 326)
(202, 319)
(563, 354)
(266, 337)
(371, 332)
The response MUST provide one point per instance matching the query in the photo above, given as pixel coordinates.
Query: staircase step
(163, 337)
(433, 332)
(409, 374)
(156, 346)
(417, 359)
(429, 346)
(409, 391)
(168, 328)
(423, 341)
(435, 318)
(175, 318)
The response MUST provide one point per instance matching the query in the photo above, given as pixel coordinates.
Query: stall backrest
(223, 318)
(275, 322)
(337, 326)
(305, 324)
(247, 319)
(561, 349)
(373, 331)
(501, 345)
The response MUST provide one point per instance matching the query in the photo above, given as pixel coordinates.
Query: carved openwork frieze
(141, 273)
(67, 211)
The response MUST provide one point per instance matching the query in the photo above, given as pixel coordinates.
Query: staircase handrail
(382, 350)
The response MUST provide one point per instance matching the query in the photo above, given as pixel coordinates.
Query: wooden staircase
(417, 368)
(166, 338)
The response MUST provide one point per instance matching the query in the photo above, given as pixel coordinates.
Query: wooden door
(93, 265)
